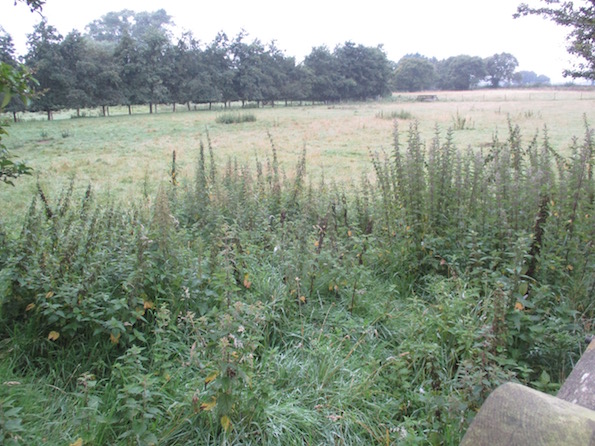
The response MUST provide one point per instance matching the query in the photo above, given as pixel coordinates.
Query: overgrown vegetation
(250, 306)
(460, 122)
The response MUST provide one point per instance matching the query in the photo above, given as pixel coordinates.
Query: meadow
(116, 154)
(345, 274)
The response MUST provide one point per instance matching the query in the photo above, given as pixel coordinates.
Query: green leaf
(225, 423)
(5, 100)
(139, 427)
(544, 378)
(13, 426)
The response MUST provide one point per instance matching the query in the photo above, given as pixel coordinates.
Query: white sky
(433, 28)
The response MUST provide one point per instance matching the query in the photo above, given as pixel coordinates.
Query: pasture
(122, 155)
(322, 286)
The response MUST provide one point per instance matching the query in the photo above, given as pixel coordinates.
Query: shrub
(235, 118)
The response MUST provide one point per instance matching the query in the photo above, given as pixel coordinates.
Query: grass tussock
(401, 114)
(235, 118)
(245, 305)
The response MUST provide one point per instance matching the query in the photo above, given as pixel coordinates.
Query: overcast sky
(433, 28)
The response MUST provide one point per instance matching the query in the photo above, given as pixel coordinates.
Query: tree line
(415, 72)
(132, 58)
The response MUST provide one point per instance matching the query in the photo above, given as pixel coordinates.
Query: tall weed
(255, 306)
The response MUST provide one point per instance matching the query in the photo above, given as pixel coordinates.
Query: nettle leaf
(13, 426)
(139, 427)
(211, 377)
(210, 405)
(226, 423)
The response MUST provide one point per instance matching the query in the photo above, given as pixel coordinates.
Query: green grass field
(248, 302)
(117, 153)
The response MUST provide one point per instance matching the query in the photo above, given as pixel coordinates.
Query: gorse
(249, 305)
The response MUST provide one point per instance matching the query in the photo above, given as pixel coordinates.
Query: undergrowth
(247, 306)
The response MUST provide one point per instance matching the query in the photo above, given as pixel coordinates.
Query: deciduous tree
(112, 26)
(218, 82)
(364, 71)
(500, 68)
(14, 82)
(323, 74)
(34, 5)
(46, 60)
(461, 72)
(7, 52)
(414, 73)
(249, 77)
(579, 17)
(530, 78)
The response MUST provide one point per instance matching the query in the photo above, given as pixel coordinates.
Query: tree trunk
(129, 109)
(49, 115)
(103, 111)
(210, 105)
(14, 116)
(174, 107)
(150, 108)
(78, 112)
(188, 105)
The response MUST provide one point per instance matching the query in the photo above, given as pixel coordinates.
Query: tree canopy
(461, 72)
(15, 85)
(580, 18)
(500, 68)
(135, 58)
(34, 5)
(530, 78)
(414, 73)
(132, 58)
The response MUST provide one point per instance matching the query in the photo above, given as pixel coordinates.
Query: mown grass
(245, 299)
